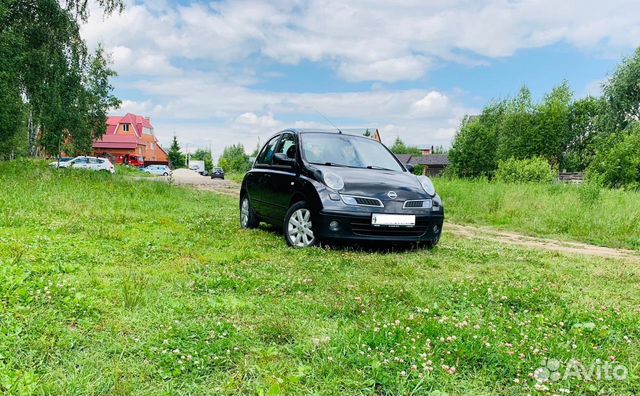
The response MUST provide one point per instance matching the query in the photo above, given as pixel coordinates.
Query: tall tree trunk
(33, 136)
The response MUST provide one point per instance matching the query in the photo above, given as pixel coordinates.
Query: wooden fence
(571, 177)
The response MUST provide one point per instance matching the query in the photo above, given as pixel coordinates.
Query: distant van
(197, 166)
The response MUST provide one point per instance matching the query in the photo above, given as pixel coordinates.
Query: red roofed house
(130, 140)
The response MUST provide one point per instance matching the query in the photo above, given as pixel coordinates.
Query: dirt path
(516, 239)
(230, 188)
(186, 177)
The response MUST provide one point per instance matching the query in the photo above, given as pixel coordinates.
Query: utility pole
(211, 151)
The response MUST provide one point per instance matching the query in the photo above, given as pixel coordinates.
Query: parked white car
(89, 163)
(158, 170)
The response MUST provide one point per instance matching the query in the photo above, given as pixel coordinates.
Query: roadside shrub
(418, 169)
(533, 170)
(619, 166)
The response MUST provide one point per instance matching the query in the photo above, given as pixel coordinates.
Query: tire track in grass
(516, 239)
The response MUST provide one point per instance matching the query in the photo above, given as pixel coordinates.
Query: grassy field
(115, 286)
(235, 176)
(583, 213)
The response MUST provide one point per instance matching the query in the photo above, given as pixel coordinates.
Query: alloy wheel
(300, 229)
(244, 213)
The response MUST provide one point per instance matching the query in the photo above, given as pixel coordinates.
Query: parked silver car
(158, 170)
(89, 163)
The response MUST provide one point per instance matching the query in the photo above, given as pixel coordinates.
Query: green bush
(619, 166)
(418, 169)
(533, 170)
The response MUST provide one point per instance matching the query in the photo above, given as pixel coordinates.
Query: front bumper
(357, 226)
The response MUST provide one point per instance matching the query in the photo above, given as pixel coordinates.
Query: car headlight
(333, 180)
(428, 186)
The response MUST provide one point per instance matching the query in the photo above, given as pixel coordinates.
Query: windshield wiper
(378, 168)
(328, 164)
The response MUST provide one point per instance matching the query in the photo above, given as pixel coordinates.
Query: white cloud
(364, 41)
(433, 104)
(387, 70)
(192, 66)
(254, 120)
(212, 111)
(132, 106)
(127, 61)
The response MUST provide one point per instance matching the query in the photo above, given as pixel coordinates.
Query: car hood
(378, 183)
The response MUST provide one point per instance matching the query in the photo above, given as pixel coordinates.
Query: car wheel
(248, 218)
(298, 227)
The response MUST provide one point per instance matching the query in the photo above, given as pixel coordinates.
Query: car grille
(421, 203)
(367, 201)
(364, 227)
(362, 201)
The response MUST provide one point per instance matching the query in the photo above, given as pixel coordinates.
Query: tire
(248, 218)
(298, 227)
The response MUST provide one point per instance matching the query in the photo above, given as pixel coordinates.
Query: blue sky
(225, 72)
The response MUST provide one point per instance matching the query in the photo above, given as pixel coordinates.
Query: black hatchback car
(217, 173)
(334, 186)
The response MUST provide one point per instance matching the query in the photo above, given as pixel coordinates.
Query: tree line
(599, 135)
(233, 158)
(54, 92)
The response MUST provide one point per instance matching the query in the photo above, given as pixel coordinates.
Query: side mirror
(282, 159)
(409, 167)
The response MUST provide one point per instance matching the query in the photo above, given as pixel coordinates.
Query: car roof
(308, 130)
(335, 131)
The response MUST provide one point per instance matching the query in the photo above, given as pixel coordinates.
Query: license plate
(389, 220)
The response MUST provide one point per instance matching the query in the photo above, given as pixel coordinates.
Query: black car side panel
(280, 190)
(254, 184)
(308, 188)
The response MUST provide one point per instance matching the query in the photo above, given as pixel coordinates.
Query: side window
(287, 146)
(80, 161)
(267, 152)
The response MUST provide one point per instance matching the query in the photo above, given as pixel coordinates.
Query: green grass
(126, 170)
(235, 176)
(583, 213)
(115, 286)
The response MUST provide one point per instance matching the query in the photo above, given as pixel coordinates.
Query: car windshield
(344, 150)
